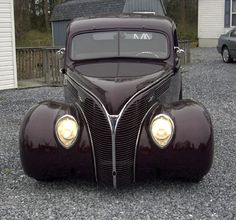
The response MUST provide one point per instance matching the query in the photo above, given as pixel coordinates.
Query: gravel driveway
(208, 80)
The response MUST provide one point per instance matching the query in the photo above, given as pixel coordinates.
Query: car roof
(123, 21)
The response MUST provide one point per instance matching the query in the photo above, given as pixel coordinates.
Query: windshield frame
(69, 44)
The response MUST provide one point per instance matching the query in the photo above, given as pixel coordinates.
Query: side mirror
(179, 52)
(62, 71)
(60, 53)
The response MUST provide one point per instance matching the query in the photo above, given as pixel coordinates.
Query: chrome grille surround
(115, 164)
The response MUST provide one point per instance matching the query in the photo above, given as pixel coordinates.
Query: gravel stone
(208, 80)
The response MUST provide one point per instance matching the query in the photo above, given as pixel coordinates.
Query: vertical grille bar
(101, 135)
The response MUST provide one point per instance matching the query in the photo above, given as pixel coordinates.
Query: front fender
(42, 156)
(190, 153)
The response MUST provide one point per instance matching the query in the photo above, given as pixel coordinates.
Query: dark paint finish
(115, 82)
(189, 154)
(42, 155)
(129, 93)
(125, 21)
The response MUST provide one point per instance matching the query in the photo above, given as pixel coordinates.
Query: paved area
(208, 80)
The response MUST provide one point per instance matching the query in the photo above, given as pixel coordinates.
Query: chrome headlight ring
(162, 130)
(67, 130)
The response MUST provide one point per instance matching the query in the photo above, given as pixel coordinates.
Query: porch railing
(42, 64)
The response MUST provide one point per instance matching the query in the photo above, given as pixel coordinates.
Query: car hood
(114, 83)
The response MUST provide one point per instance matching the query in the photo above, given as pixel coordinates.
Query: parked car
(124, 119)
(227, 46)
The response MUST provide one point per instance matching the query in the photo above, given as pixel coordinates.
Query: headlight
(67, 130)
(162, 130)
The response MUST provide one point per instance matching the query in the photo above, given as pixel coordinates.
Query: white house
(215, 17)
(8, 77)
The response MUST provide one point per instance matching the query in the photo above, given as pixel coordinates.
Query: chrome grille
(126, 136)
(127, 133)
(101, 134)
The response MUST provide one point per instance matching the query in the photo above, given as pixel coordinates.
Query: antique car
(124, 118)
(227, 46)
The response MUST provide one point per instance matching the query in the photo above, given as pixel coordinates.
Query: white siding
(8, 78)
(210, 22)
(210, 18)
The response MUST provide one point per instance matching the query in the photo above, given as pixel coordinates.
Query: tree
(185, 15)
(46, 14)
(22, 16)
(33, 14)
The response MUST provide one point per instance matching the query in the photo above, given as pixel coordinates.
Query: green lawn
(35, 38)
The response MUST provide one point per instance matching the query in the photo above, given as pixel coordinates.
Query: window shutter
(227, 13)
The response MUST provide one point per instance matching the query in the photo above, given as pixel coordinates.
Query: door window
(233, 34)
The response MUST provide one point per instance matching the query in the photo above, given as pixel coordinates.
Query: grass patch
(35, 38)
(187, 32)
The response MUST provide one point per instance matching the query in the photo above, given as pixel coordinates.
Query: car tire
(226, 55)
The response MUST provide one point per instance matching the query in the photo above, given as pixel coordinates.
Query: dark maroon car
(124, 119)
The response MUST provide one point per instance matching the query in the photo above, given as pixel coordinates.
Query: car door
(232, 44)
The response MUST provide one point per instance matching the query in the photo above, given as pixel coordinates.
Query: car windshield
(134, 44)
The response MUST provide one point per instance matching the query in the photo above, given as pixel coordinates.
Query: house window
(233, 12)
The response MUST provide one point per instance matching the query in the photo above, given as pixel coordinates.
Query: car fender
(190, 151)
(42, 156)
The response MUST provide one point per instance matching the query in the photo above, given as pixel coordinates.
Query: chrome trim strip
(138, 138)
(113, 119)
(137, 94)
(113, 129)
(113, 139)
(91, 140)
